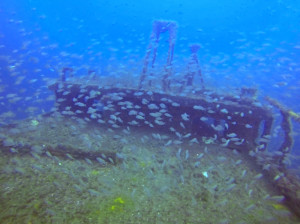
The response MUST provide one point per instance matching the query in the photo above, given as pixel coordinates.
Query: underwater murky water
(149, 111)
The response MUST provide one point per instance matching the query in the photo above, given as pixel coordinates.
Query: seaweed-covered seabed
(151, 183)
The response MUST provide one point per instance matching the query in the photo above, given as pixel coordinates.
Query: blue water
(244, 43)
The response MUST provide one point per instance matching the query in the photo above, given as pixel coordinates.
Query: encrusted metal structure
(202, 114)
(159, 27)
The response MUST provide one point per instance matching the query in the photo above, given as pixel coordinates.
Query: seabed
(52, 173)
